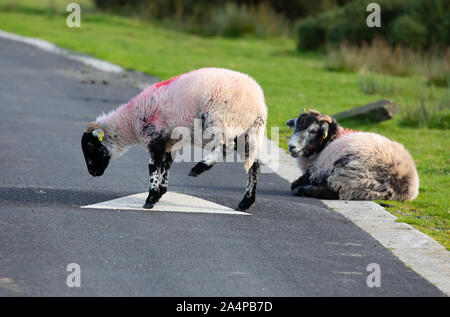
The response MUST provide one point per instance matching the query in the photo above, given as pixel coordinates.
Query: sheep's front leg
(164, 175)
(301, 181)
(153, 192)
(156, 150)
(319, 192)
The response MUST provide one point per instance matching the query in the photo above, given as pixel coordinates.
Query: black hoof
(298, 183)
(245, 204)
(148, 205)
(298, 191)
(198, 169)
(152, 198)
(193, 174)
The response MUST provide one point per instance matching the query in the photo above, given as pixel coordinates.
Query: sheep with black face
(223, 100)
(96, 154)
(350, 165)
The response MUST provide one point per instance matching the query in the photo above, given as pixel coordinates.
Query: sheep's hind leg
(199, 168)
(210, 159)
(366, 194)
(319, 192)
(250, 191)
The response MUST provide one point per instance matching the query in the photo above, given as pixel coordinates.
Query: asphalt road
(289, 246)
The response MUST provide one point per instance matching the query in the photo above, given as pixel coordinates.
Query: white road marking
(420, 252)
(348, 273)
(170, 202)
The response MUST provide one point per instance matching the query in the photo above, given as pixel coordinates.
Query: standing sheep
(224, 100)
(343, 164)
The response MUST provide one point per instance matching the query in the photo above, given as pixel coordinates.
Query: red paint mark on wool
(165, 83)
(347, 131)
(151, 119)
(144, 95)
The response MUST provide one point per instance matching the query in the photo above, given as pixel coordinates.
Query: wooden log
(378, 111)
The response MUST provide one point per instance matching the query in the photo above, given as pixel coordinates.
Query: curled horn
(324, 117)
(92, 126)
(96, 130)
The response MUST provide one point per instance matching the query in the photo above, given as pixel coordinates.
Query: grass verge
(380, 57)
(290, 80)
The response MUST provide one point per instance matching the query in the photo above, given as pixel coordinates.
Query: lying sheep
(228, 101)
(343, 164)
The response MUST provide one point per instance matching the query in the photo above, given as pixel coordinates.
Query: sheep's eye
(314, 131)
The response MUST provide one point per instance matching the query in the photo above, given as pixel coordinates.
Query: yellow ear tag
(325, 136)
(100, 135)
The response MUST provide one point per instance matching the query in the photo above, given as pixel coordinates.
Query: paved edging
(417, 250)
(52, 48)
(420, 252)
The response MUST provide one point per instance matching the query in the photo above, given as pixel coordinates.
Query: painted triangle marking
(170, 202)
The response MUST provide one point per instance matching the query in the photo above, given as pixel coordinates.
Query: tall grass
(427, 110)
(436, 68)
(430, 107)
(380, 57)
(233, 20)
(229, 19)
(371, 85)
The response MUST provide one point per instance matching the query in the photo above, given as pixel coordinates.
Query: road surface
(289, 246)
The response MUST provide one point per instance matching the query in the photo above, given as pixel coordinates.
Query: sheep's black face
(95, 153)
(311, 133)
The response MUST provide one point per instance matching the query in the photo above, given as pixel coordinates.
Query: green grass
(290, 80)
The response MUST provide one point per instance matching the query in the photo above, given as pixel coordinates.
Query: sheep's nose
(291, 148)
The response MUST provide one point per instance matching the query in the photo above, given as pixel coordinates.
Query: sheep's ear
(324, 130)
(290, 123)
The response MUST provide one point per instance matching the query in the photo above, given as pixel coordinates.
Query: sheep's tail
(254, 141)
